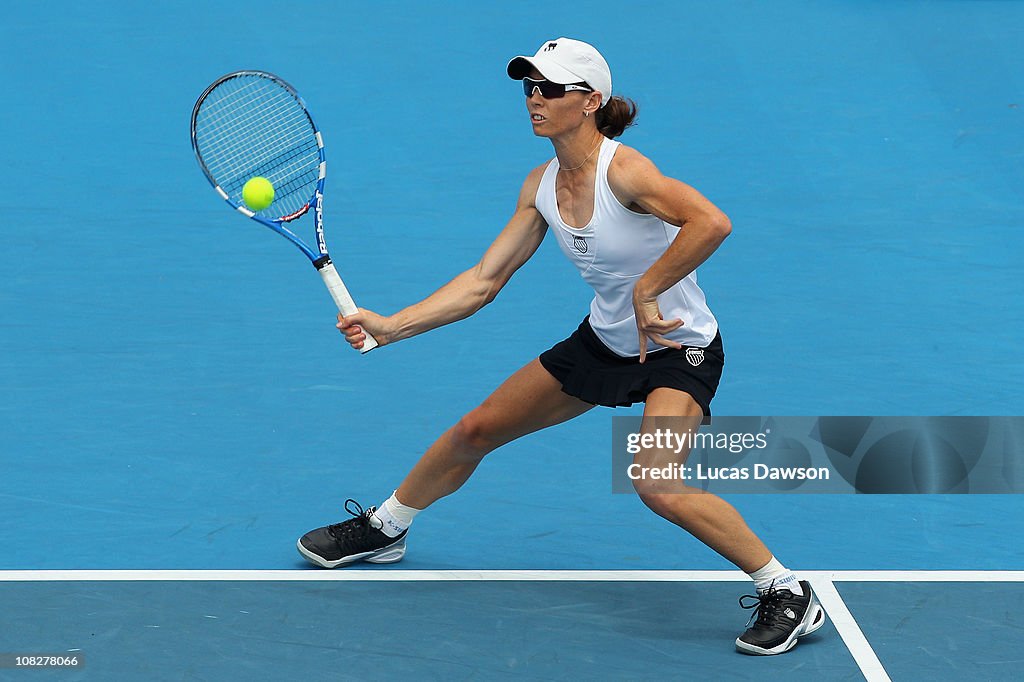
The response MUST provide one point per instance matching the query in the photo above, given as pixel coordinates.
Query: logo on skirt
(695, 356)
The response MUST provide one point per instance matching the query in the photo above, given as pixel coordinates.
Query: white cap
(567, 61)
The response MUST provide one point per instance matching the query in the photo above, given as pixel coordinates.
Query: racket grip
(342, 298)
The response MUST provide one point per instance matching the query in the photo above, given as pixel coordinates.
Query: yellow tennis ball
(258, 193)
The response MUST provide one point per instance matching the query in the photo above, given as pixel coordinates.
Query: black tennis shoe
(782, 618)
(357, 539)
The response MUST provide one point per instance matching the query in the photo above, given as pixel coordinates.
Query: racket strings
(234, 109)
(289, 172)
(251, 126)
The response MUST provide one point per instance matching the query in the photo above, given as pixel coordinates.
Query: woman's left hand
(650, 324)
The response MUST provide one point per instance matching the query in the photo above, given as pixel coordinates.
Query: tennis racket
(252, 123)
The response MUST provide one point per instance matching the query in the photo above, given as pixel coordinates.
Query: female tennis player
(637, 238)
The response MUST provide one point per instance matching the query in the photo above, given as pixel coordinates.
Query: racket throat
(318, 213)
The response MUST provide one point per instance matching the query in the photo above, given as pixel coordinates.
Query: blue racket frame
(318, 256)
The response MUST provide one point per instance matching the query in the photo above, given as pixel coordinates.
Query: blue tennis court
(177, 407)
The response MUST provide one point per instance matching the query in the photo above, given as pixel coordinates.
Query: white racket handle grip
(343, 299)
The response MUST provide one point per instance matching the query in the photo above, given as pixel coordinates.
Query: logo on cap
(550, 47)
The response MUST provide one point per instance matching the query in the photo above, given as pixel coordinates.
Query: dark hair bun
(615, 116)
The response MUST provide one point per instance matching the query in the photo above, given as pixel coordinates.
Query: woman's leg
(530, 400)
(707, 517)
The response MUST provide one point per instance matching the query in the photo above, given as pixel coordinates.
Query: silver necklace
(584, 160)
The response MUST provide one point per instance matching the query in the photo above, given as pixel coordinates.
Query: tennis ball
(258, 193)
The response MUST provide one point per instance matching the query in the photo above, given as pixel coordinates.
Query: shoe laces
(355, 528)
(767, 604)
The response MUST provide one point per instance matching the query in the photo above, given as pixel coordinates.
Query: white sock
(394, 516)
(774, 574)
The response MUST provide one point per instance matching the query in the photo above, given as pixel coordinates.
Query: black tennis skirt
(590, 371)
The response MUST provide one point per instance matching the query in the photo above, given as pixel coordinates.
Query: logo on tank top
(695, 356)
(579, 243)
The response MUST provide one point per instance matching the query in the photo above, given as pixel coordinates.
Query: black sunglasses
(549, 90)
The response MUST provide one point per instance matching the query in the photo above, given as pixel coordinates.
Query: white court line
(822, 581)
(395, 575)
(848, 629)
(386, 575)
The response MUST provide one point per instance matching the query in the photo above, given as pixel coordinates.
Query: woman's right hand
(353, 326)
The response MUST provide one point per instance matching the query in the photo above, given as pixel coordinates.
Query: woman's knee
(477, 432)
(680, 504)
(651, 495)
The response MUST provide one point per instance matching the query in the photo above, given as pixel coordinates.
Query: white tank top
(612, 252)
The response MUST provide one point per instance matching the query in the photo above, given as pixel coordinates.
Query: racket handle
(341, 297)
